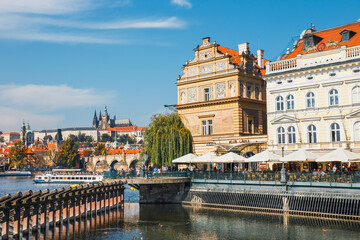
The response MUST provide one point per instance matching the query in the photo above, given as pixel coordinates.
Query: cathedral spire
(95, 121)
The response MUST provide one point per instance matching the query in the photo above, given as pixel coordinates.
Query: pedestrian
(334, 168)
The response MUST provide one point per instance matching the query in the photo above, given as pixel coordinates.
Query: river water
(156, 222)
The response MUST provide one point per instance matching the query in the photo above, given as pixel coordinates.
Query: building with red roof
(313, 92)
(222, 97)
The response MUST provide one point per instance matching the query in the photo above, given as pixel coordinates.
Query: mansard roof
(327, 39)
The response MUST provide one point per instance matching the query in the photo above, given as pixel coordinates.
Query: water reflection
(184, 222)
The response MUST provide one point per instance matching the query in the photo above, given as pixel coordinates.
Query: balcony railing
(292, 177)
(338, 55)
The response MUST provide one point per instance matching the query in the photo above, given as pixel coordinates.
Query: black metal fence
(329, 177)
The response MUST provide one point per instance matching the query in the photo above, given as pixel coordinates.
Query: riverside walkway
(324, 195)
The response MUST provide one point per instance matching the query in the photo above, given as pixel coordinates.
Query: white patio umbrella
(264, 156)
(339, 155)
(207, 158)
(230, 158)
(185, 159)
(300, 155)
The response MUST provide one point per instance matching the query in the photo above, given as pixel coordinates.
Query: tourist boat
(16, 174)
(67, 176)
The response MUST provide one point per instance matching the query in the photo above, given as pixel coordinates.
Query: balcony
(313, 59)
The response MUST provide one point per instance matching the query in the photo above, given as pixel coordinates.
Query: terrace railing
(292, 177)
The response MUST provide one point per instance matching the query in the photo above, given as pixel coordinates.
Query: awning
(230, 158)
(264, 156)
(207, 158)
(185, 159)
(339, 155)
(300, 155)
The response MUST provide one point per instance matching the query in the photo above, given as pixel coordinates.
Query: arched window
(281, 135)
(291, 135)
(335, 132)
(356, 94)
(333, 97)
(357, 131)
(290, 102)
(280, 103)
(310, 100)
(257, 92)
(311, 134)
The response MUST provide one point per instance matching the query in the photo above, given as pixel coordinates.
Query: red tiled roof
(332, 34)
(235, 58)
(233, 53)
(8, 133)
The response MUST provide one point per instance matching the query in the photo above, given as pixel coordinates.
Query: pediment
(355, 114)
(284, 119)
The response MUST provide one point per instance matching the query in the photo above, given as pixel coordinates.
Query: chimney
(260, 58)
(243, 47)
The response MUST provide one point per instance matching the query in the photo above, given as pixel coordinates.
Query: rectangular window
(203, 127)
(248, 90)
(210, 127)
(206, 94)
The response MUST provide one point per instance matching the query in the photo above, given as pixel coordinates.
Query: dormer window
(310, 41)
(346, 35)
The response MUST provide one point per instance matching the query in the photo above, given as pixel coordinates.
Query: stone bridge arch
(103, 163)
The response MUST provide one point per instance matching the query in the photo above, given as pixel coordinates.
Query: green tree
(88, 139)
(123, 139)
(17, 155)
(72, 136)
(100, 150)
(106, 138)
(81, 137)
(166, 138)
(69, 155)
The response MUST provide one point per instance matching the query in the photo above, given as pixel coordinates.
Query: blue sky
(62, 59)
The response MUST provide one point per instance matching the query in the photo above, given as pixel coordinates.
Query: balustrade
(43, 207)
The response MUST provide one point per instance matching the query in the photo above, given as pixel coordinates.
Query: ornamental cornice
(334, 117)
(334, 83)
(310, 86)
(310, 119)
(184, 82)
(284, 90)
(352, 81)
(207, 103)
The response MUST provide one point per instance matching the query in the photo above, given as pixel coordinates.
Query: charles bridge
(118, 161)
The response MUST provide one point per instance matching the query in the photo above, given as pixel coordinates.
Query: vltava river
(156, 222)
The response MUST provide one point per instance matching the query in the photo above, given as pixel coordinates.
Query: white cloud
(45, 98)
(43, 105)
(60, 38)
(182, 3)
(11, 119)
(58, 21)
(44, 6)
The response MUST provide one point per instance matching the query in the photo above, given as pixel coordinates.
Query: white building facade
(313, 92)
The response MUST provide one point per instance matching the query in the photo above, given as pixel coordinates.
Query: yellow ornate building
(313, 92)
(222, 98)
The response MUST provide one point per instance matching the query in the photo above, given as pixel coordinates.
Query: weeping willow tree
(166, 138)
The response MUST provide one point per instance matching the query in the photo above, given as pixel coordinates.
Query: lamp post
(283, 173)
